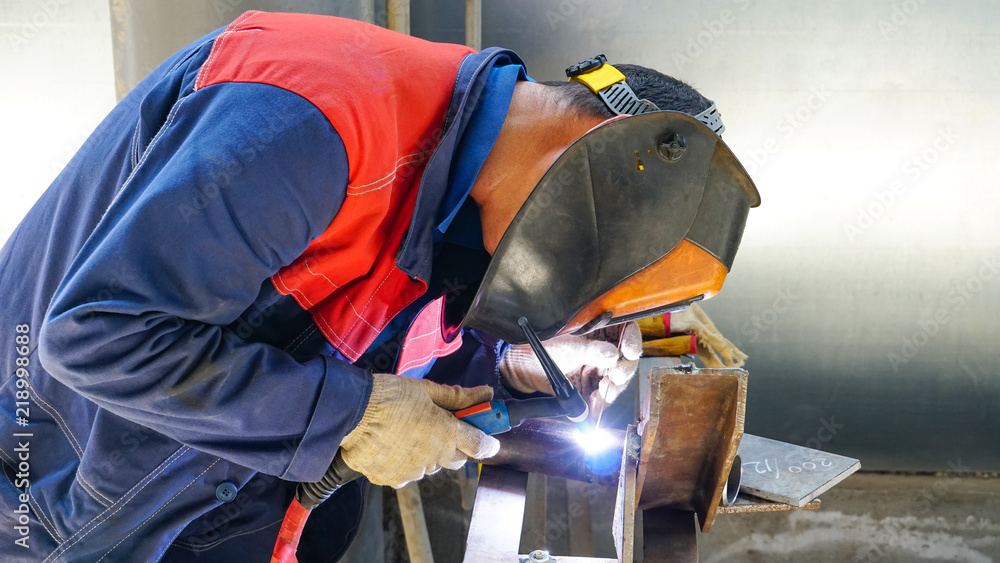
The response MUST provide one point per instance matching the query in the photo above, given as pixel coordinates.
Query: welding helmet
(641, 215)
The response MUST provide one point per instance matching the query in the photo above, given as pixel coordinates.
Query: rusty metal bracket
(675, 469)
(691, 425)
(669, 536)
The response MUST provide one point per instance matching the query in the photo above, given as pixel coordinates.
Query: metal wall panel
(57, 85)
(867, 288)
(146, 32)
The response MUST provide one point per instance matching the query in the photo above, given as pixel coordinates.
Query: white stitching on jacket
(61, 423)
(192, 547)
(55, 532)
(390, 176)
(415, 362)
(62, 548)
(158, 509)
(92, 490)
(199, 82)
(302, 338)
(349, 302)
(289, 291)
(156, 138)
(389, 182)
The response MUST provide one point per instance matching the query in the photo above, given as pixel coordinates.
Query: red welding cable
(290, 533)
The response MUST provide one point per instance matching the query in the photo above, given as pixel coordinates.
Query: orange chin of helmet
(686, 272)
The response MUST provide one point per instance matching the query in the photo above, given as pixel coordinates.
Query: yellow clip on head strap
(609, 83)
(599, 78)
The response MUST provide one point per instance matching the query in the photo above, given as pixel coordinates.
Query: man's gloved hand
(600, 363)
(408, 431)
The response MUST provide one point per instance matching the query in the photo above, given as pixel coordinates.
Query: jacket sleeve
(236, 183)
(475, 363)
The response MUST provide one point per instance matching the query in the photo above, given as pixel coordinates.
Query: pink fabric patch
(425, 338)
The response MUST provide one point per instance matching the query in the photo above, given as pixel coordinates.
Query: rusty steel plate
(669, 536)
(746, 504)
(692, 422)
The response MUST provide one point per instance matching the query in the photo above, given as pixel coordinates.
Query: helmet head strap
(609, 83)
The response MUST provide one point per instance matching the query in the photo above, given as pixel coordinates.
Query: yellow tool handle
(673, 346)
(652, 327)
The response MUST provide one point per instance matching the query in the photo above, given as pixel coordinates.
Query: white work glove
(408, 430)
(714, 350)
(599, 364)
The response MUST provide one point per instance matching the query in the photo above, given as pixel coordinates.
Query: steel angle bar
(495, 528)
(691, 425)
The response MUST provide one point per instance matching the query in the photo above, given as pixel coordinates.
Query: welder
(303, 235)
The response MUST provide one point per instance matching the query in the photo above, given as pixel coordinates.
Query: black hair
(667, 92)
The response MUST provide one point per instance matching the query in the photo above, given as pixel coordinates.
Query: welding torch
(495, 417)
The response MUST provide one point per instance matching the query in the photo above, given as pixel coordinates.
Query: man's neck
(538, 128)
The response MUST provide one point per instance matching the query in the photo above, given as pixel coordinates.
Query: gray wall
(148, 31)
(57, 84)
(867, 289)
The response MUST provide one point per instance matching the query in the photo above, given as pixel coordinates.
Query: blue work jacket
(109, 454)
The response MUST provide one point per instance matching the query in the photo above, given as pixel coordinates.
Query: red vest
(386, 95)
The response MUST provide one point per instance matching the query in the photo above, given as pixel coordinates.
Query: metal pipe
(732, 488)
(555, 447)
(411, 512)
(397, 17)
(474, 24)
(367, 8)
(144, 34)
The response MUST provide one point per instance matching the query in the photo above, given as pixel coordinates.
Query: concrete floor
(871, 517)
(886, 518)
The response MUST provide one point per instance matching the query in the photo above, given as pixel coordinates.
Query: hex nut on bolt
(539, 556)
(672, 148)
